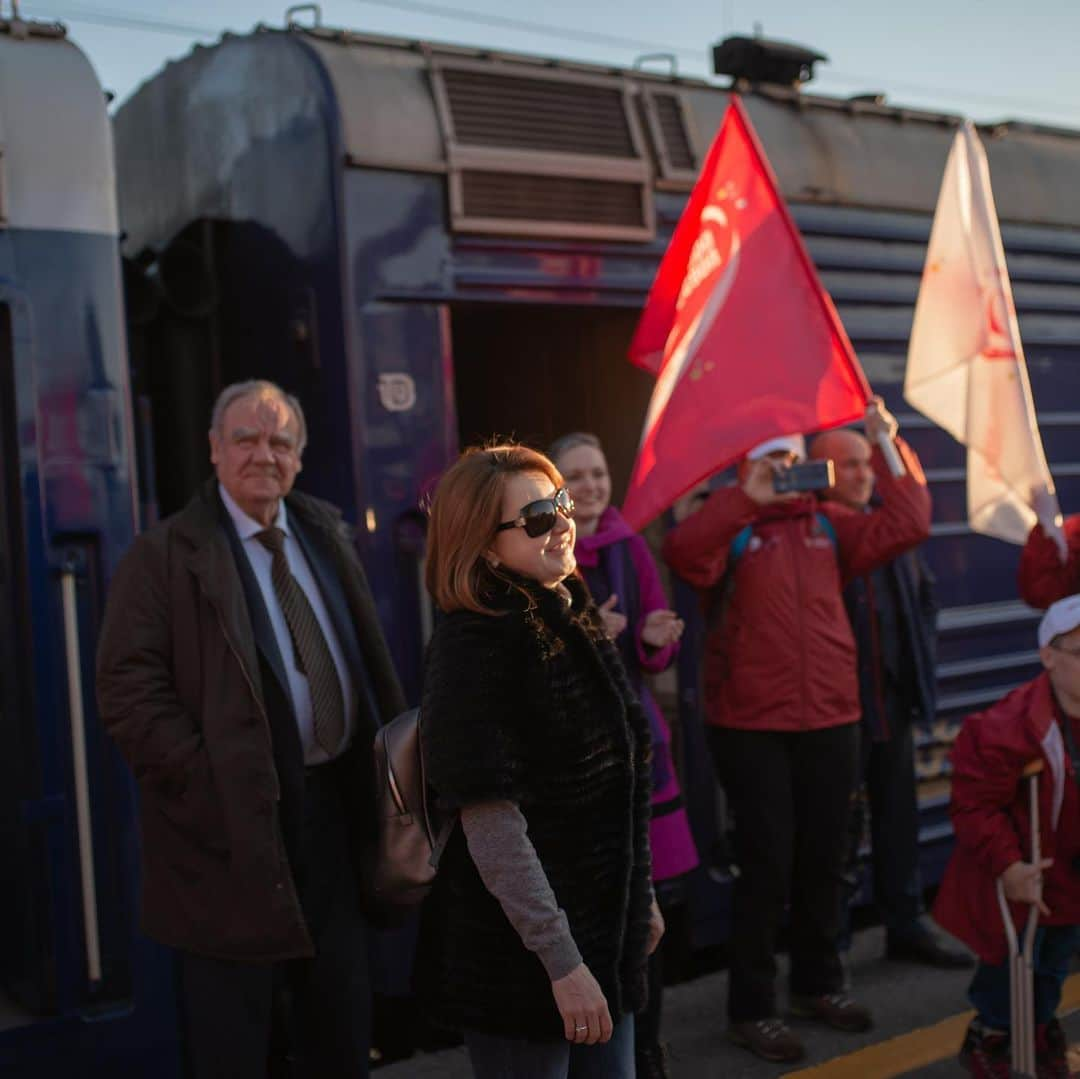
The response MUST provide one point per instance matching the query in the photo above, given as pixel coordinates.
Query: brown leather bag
(410, 839)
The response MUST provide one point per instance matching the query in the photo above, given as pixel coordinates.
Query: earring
(493, 562)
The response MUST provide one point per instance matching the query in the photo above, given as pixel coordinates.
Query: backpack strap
(825, 526)
(742, 538)
(739, 545)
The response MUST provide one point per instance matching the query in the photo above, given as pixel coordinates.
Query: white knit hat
(1061, 617)
(795, 444)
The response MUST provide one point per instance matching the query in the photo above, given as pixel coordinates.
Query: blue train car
(431, 244)
(79, 992)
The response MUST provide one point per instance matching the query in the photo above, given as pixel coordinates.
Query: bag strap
(441, 840)
(447, 828)
(826, 526)
(739, 545)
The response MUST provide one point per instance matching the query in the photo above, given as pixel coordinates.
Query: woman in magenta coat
(625, 584)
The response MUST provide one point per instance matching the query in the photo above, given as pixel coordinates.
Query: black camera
(807, 476)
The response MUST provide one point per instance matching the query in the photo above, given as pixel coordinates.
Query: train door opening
(27, 976)
(534, 373)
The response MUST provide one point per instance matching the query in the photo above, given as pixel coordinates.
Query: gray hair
(256, 387)
(566, 443)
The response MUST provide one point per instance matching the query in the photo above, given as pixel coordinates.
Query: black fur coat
(532, 705)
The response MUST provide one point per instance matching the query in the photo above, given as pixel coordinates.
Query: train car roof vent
(542, 152)
(760, 60)
(670, 126)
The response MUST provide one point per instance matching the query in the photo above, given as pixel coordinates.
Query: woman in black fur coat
(535, 937)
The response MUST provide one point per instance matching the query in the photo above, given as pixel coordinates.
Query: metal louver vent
(676, 139)
(542, 152)
(491, 109)
(503, 197)
(669, 128)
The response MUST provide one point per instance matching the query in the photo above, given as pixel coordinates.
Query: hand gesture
(661, 628)
(583, 1007)
(758, 483)
(614, 621)
(656, 928)
(1022, 882)
(879, 420)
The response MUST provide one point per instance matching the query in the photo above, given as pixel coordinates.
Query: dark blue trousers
(299, 1019)
(989, 989)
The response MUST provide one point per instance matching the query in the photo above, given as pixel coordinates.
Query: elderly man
(1039, 720)
(893, 614)
(782, 705)
(242, 672)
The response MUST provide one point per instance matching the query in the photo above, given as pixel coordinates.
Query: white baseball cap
(1061, 617)
(795, 444)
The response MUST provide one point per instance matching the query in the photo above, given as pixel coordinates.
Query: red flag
(744, 339)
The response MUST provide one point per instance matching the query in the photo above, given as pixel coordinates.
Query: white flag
(966, 369)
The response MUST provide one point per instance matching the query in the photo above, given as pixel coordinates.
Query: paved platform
(919, 1020)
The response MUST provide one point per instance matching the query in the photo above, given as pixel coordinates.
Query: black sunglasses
(539, 517)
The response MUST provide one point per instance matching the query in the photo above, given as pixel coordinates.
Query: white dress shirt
(261, 561)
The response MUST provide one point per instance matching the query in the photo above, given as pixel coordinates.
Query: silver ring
(578, 1030)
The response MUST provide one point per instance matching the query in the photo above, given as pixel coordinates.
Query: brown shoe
(836, 1010)
(770, 1039)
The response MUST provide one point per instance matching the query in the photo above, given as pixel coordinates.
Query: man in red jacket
(1044, 576)
(782, 704)
(1038, 721)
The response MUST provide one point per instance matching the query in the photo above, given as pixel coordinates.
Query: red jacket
(782, 656)
(992, 823)
(1043, 579)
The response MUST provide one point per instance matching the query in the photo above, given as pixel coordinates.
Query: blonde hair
(465, 511)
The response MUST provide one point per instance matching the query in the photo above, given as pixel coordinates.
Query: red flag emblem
(745, 342)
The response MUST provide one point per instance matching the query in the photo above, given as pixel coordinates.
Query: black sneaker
(922, 945)
(986, 1054)
(770, 1039)
(1051, 1052)
(836, 1010)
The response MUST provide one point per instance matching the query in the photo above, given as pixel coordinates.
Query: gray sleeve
(498, 841)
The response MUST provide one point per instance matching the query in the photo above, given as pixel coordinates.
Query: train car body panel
(480, 231)
(79, 989)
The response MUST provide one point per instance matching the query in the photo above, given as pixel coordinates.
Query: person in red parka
(1044, 576)
(1037, 721)
(782, 705)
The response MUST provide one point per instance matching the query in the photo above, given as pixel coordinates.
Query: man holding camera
(893, 612)
(782, 705)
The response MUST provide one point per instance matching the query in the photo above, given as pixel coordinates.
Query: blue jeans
(494, 1057)
(989, 989)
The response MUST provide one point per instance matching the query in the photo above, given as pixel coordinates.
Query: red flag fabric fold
(743, 338)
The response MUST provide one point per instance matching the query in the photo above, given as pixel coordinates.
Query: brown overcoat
(179, 691)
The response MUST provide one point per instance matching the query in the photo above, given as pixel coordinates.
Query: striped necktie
(313, 658)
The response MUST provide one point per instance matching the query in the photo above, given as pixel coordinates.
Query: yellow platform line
(917, 1049)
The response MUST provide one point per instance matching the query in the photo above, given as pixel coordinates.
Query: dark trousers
(1055, 947)
(790, 794)
(889, 769)
(298, 1019)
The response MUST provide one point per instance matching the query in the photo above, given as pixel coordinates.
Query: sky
(986, 59)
